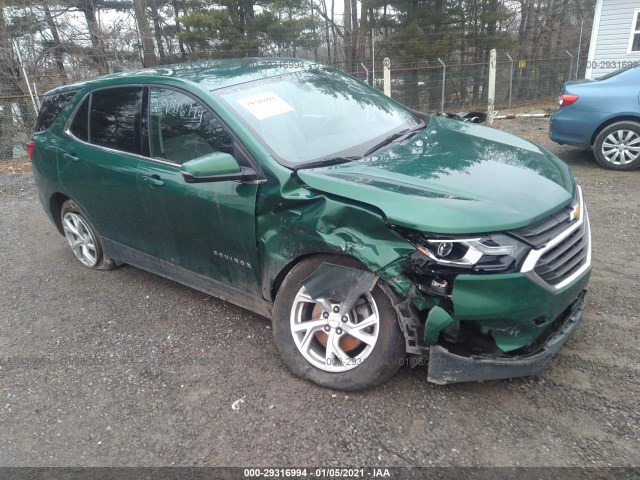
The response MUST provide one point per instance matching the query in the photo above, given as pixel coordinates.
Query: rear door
(98, 160)
(207, 228)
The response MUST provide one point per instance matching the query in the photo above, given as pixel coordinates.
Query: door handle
(71, 157)
(153, 181)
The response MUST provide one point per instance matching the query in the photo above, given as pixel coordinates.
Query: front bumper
(446, 367)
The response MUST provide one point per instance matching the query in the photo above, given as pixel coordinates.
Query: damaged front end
(495, 306)
(447, 366)
(479, 307)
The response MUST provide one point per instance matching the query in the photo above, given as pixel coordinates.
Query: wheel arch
(284, 271)
(610, 121)
(55, 207)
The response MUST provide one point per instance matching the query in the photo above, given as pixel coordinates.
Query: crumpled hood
(455, 178)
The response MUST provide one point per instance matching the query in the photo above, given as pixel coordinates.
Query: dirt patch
(21, 165)
(533, 107)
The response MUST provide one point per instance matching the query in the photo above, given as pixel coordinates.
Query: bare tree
(157, 29)
(149, 58)
(56, 44)
(98, 54)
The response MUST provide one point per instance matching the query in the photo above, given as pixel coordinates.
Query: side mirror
(215, 167)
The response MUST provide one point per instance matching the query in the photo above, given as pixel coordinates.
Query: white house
(615, 37)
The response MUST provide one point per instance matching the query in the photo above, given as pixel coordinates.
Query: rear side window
(115, 119)
(51, 108)
(80, 125)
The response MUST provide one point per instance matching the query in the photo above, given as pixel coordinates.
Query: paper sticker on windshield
(265, 105)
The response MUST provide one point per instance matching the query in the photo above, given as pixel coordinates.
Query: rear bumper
(572, 127)
(446, 367)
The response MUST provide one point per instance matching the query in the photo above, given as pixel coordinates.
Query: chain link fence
(430, 86)
(438, 87)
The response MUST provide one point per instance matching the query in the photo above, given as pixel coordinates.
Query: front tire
(83, 239)
(355, 352)
(617, 147)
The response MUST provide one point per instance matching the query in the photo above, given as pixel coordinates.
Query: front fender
(294, 221)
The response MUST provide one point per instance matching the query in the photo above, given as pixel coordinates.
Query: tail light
(566, 99)
(31, 148)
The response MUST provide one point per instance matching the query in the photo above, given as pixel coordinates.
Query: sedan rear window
(616, 72)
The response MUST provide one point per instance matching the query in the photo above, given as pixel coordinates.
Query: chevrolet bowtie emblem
(575, 213)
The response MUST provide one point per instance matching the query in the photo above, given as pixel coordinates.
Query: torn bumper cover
(446, 367)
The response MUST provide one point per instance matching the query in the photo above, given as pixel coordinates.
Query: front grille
(540, 233)
(566, 258)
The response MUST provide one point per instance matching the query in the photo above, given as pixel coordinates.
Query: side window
(80, 124)
(115, 119)
(181, 129)
(51, 108)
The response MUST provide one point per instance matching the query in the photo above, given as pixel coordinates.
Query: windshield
(315, 115)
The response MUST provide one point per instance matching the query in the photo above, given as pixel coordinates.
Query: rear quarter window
(51, 108)
(80, 124)
(114, 120)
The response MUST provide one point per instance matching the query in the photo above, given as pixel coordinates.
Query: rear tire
(83, 239)
(617, 147)
(371, 359)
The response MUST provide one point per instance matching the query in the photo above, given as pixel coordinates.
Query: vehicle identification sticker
(265, 105)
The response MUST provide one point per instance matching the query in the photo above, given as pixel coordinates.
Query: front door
(206, 228)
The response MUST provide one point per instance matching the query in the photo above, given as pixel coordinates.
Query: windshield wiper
(325, 162)
(407, 132)
(386, 142)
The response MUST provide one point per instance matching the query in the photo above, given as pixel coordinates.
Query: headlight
(495, 252)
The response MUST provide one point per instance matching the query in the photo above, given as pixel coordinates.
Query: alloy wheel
(81, 239)
(330, 341)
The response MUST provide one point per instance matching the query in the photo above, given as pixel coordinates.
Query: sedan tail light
(566, 99)
(31, 148)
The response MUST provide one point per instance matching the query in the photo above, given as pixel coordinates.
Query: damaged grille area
(566, 258)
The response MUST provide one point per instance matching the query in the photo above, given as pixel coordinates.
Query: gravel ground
(126, 368)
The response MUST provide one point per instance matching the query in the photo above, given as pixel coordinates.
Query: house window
(634, 41)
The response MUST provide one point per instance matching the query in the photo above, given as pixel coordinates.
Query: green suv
(372, 235)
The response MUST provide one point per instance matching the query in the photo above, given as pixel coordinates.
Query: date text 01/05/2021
(316, 472)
